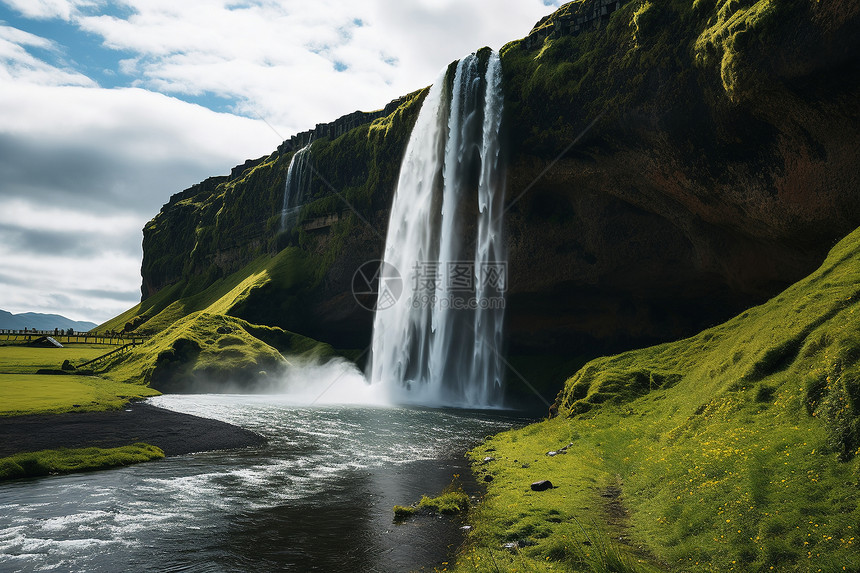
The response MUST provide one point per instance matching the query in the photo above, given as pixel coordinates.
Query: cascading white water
(490, 247)
(442, 344)
(298, 178)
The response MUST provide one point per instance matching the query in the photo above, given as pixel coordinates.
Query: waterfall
(487, 366)
(298, 179)
(440, 343)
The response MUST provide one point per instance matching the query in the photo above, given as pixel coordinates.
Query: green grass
(63, 461)
(451, 501)
(657, 57)
(193, 349)
(735, 26)
(733, 450)
(46, 394)
(172, 303)
(402, 512)
(447, 503)
(139, 313)
(27, 359)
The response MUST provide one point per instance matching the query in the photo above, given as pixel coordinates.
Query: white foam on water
(334, 382)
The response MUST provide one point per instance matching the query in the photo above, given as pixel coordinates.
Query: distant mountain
(41, 322)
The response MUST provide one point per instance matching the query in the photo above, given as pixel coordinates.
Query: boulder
(542, 485)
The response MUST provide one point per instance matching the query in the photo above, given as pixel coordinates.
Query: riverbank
(737, 449)
(173, 432)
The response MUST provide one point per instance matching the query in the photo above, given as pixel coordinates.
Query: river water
(317, 497)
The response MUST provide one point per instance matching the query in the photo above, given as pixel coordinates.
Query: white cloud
(18, 65)
(16, 37)
(129, 147)
(280, 59)
(28, 215)
(48, 9)
(61, 284)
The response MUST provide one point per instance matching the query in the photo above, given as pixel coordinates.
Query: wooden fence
(66, 337)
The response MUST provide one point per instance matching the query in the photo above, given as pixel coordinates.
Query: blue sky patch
(85, 53)
(77, 50)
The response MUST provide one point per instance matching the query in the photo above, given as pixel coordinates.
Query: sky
(109, 107)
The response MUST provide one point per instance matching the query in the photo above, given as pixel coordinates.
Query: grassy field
(734, 450)
(22, 391)
(47, 462)
(47, 394)
(27, 359)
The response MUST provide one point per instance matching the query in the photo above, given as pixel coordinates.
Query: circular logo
(376, 285)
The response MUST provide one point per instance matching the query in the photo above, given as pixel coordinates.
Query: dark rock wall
(721, 164)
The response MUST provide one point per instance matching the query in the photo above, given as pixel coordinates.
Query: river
(317, 497)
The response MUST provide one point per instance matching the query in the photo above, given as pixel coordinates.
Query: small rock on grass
(542, 485)
(562, 450)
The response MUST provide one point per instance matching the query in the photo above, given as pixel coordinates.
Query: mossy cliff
(733, 450)
(669, 164)
(721, 166)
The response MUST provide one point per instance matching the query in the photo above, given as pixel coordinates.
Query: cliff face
(668, 166)
(723, 164)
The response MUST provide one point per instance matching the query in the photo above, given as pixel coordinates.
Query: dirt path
(617, 517)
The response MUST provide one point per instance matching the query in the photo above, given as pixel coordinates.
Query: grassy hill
(733, 450)
(198, 342)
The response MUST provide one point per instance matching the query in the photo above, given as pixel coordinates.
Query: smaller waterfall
(298, 180)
